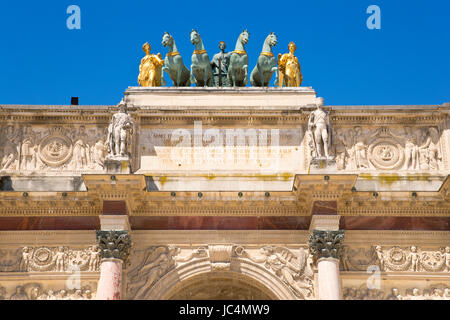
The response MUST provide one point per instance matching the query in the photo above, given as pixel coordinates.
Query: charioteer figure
(219, 65)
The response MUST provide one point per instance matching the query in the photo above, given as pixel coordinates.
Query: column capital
(114, 244)
(326, 244)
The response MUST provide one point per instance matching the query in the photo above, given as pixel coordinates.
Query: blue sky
(406, 62)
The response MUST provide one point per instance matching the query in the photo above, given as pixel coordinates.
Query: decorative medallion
(55, 150)
(385, 154)
(43, 257)
(397, 259)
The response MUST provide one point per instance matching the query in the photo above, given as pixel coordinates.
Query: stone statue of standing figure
(219, 65)
(119, 132)
(320, 131)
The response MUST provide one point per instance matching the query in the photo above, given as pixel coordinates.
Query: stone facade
(224, 185)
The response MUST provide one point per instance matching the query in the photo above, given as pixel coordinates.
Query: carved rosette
(326, 244)
(114, 244)
(55, 149)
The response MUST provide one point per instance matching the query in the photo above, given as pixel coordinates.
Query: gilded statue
(150, 68)
(289, 68)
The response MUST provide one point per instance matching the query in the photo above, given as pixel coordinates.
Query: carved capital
(114, 244)
(326, 244)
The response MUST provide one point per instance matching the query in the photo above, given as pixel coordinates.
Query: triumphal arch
(222, 192)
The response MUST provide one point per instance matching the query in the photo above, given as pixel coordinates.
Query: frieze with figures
(49, 259)
(396, 259)
(35, 291)
(29, 149)
(405, 149)
(435, 292)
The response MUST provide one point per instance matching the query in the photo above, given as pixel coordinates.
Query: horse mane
(194, 30)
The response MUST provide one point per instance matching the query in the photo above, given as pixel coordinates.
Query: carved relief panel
(433, 292)
(30, 149)
(396, 259)
(49, 259)
(395, 149)
(292, 267)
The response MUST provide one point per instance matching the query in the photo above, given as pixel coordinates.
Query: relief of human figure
(411, 150)
(156, 264)
(360, 150)
(287, 271)
(87, 294)
(447, 258)
(20, 294)
(51, 295)
(94, 258)
(10, 149)
(340, 148)
(415, 259)
(429, 150)
(80, 158)
(395, 295)
(415, 295)
(380, 256)
(26, 256)
(99, 152)
(60, 256)
(26, 154)
(119, 132)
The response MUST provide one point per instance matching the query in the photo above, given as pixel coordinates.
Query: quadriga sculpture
(266, 64)
(201, 71)
(238, 69)
(173, 64)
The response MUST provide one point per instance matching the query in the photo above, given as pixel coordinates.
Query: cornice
(201, 237)
(396, 237)
(47, 238)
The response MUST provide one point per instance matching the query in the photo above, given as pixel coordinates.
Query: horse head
(195, 37)
(272, 39)
(244, 36)
(167, 39)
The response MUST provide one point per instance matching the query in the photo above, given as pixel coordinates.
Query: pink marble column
(110, 284)
(114, 250)
(329, 280)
